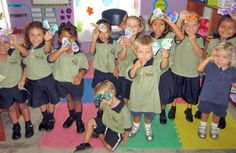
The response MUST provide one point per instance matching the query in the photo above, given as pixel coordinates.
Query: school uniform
(184, 68)
(41, 84)
(66, 67)
(216, 88)
(104, 62)
(115, 121)
(12, 70)
(144, 95)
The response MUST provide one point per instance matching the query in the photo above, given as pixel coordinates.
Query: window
(5, 19)
(89, 11)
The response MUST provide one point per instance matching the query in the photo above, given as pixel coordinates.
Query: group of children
(139, 74)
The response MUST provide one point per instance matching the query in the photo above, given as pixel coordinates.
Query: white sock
(147, 125)
(214, 125)
(136, 124)
(203, 123)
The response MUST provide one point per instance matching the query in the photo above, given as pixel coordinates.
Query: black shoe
(42, 125)
(50, 124)
(95, 134)
(29, 131)
(68, 122)
(80, 127)
(16, 132)
(163, 118)
(198, 114)
(188, 115)
(83, 146)
(222, 123)
(171, 114)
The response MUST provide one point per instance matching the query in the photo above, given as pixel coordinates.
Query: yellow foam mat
(188, 132)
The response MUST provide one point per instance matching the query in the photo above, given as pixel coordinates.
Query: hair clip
(52, 29)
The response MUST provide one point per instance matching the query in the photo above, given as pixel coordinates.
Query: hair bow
(225, 11)
(65, 42)
(165, 44)
(52, 29)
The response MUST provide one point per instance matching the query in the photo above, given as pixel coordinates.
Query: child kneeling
(115, 124)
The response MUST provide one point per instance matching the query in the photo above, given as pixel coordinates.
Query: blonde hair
(143, 40)
(192, 16)
(104, 85)
(139, 19)
(227, 47)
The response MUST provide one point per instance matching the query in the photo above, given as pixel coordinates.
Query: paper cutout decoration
(203, 27)
(158, 14)
(52, 29)
(173, 16)
(128, 34)
(79, 26)
(107, 2)
(162, 4)
(65, 43)
(102, 28)
(165, 44)
(225, 11)
(90, 11)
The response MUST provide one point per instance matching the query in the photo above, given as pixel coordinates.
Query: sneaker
(148, 134)
(202, 132)
(163, 118)
(68, 122)
(16, 132)
(198, 114)
(222, 123)
(214, 133)
(134, 131)
(42, 124)
(83, 146)
(50, 124)
(171, 114)
(80, 127)
(188, 115)
(29, 131)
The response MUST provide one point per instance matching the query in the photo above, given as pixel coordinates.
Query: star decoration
(90, 10)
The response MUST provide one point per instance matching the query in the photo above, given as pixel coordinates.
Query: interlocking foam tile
(61, 137)
(165, 137)
(90, 71)
(88, 91)
(188, 132)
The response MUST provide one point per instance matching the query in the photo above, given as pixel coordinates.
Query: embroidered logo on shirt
(13, 60)
(39, 55)
(75, 61)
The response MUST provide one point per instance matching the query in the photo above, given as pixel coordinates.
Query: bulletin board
(50, 2)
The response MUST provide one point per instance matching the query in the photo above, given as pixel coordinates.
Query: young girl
(69, 72)
(104, 50)
(11, 87)
(160, 31)
(145, 74)
(226, 33)
(41, 84)
(186, 57)
(126, 54)
(115, 124)
(220, 74)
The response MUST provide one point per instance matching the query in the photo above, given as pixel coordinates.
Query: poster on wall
(50, 2)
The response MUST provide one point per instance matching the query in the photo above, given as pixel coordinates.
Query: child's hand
(76, 80)
(12, 40)
(139, 63)
(48, 36)
(183, 15)
(116, 72)
(95, 33)
(192, 36)
(125, 42)
(21, 85)
(165, 53)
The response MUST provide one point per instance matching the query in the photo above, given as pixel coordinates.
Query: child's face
(66, 35)
(4, 47)
(158, 27)
(36, 36)
(222, 58)
(134, 24)
(104, 36)
(105, 97)
(227, 29)
(144, 53)
(191, 27)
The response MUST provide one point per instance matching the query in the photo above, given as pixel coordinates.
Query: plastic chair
(115, 17)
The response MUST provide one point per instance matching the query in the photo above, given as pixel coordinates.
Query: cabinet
(208, 11)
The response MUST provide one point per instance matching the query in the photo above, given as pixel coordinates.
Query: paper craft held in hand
(165, 44)
(65, 42)
(52, 29)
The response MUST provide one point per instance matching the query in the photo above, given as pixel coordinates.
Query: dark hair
(104, 21)
(34, 24)
(70, 28)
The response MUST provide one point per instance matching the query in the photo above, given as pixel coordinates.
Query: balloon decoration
(162, 4)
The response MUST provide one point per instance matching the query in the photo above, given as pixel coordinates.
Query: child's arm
(201, 66)
(198, 50)
(21, 84)
(125, 137)
(234, 84)
(116, 69)
(123, 51)
(55, 55)
(92, 48)
(23, 51)
(176, 29)
(165, 60)
(78, 77)
(133, 70)
(48, 42)
(182, 17)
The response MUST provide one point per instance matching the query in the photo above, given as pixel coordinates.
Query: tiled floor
(32, 145)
